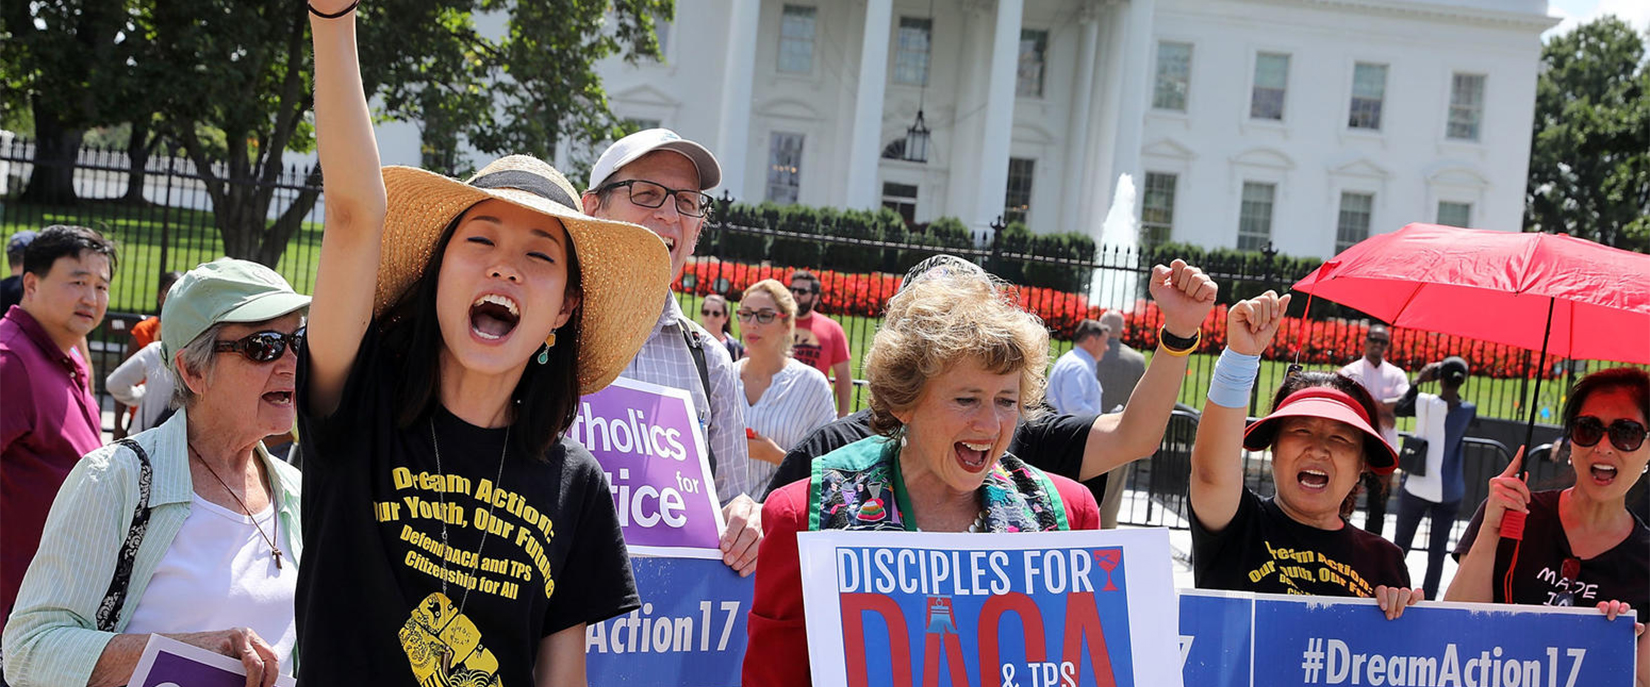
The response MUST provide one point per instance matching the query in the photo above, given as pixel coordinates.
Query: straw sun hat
(625, 267)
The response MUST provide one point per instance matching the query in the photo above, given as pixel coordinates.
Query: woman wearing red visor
(1321, 437)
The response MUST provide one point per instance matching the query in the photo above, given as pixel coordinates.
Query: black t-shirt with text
(528, 554)
(1050, 442)
(1264, 550)
(1620, 574)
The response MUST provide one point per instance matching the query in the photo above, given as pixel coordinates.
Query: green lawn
(139, 232)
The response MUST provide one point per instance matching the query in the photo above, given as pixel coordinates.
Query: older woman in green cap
(190, 529)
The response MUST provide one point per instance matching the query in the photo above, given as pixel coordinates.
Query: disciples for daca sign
(1054, 609)
(648, 441)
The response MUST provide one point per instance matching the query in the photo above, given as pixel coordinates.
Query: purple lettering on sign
(648, 441)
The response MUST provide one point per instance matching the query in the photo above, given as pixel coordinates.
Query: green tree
(1590, 157)
(229, 81)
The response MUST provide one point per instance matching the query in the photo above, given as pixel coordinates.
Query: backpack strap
(108, 612)
(696, 348)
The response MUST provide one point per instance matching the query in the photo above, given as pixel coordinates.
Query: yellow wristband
(1179, 352)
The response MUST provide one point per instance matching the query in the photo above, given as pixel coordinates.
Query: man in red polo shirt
(49, 417)
(819, 340)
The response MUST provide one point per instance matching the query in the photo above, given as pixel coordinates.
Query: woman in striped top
(787, 399)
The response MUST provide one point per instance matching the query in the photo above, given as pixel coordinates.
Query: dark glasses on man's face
(262, 347)
(1625, 435)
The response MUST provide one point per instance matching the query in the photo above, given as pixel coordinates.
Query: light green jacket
(52, 637)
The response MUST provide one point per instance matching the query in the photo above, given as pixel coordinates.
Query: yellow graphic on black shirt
(1299, 569)
(445, 648)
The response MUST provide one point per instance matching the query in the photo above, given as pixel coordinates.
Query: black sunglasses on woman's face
(707, 312)
(262, 347)
(1625, 435)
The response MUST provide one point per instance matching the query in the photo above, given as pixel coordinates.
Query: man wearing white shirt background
(1387, 383)
(1073, 386)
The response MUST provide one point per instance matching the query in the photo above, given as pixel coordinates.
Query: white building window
(1368, 95)
(1157, 209)
(901, 198)
(1271, 84)
(1174, 76)
(1255, 217)
(1454, 214)
(1017, 202)
(1466, 106)
(784, 167)
(1033, 51)
(911, 52)
(796, 39)
(1353, 226)
(661, 28)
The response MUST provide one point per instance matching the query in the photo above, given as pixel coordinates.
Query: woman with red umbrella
(1322, 437)
(1580, 546)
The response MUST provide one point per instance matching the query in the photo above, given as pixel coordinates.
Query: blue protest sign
(1214, 637)
(1058, 609)
(1308, 642)
(690, 630)
(1234, 640)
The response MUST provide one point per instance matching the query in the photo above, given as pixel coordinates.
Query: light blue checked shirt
(52, 636)
(666, 361)
(1073, 388)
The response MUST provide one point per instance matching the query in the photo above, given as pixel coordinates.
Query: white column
(1134, 93)
(999, 113)
(738, 74)
(866, 146)
(1077, 130)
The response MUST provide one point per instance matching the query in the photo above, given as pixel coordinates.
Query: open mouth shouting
(282, 399)
(1313, 480)
(493, 317)
(973, 456)
(1603, 475)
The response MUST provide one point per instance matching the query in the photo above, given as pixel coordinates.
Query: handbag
(1412, 456)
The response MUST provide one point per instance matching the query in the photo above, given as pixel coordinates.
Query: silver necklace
(436, 444)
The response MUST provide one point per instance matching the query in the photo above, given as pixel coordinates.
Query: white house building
(1306, 123)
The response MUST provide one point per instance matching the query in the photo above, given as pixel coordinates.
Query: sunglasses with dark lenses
(1382, 342)
(763, 316)
(262, 347)
(1625, 435)
(707, 312)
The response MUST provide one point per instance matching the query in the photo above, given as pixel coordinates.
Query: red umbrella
(1551, 292)
(1511, 288)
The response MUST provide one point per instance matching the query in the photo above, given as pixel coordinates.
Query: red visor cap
(1331, 404)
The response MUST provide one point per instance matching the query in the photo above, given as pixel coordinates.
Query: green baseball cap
(224, 290)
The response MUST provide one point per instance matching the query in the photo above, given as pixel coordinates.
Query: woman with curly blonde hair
(953, 370)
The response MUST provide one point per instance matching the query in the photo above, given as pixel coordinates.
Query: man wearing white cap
(657, 179)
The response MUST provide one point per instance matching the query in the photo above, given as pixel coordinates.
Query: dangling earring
(544, 353)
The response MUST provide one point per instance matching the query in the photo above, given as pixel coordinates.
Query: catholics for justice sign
(648, 441)
(1055, 609)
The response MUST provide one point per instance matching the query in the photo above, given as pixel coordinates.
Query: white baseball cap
(630, 148)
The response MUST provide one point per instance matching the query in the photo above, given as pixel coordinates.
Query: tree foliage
(1590, 158)
(229, 81)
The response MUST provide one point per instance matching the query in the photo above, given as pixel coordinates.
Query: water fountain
(1116, 284)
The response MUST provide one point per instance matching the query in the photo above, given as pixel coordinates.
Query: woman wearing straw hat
(456, 536)
(1322, 437)
(189, 529)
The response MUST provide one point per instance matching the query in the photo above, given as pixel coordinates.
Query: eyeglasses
(1569, 570)
(763, 316)
(707, 312)
(1625, 435)
(262, 347)
(651, 195)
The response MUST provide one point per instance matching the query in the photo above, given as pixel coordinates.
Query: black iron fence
(163, 217)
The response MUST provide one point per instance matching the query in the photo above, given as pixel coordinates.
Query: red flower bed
(1322, 342)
